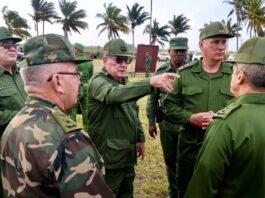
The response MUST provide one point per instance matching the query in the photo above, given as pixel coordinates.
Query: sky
(198, 11)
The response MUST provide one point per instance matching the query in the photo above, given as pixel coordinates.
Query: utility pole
(151, 10)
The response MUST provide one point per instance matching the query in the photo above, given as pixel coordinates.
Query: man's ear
(58, 83)
(104, 60)
(200, 45)
(241, 77)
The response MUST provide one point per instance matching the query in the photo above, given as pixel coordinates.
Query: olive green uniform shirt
(114, 125)
(12, 96)
(197, 91)
(156, 98)
(231, 163)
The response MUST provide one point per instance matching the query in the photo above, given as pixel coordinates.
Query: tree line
(248, 13)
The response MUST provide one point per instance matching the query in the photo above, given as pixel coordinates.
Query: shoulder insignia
(65, 122)
(187, 65)
(226, 111)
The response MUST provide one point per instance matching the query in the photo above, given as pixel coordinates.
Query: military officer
(43, 152)
(231, 161)
(12, 94)
(178, 48)
(114, 125)
(86, 69)
(203, 88)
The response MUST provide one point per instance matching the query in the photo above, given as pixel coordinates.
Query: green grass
(150, 180)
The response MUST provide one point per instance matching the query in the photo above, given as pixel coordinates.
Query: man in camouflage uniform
(43, 152)
(233, 151)
(203, 88)
(155, 112)
(114, 125)
(86, 69)
(12, 94)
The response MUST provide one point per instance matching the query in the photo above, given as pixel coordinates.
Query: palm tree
(179, 24)
(15, 24)
(136, 17)
(253, 14)
(72, 17)
(42, 11)
(232, 28)
(237, 4)
(113, 21)
(158, 34)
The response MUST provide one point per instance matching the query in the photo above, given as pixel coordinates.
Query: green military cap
(180, 43)
(117, 47)
(79, 46)
(6, 35)
(251, 52)
(215, 29)
(49, 48)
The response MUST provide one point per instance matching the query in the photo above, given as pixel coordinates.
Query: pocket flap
(7, 91)
(118, 144)
(226, 91)
(191, 90)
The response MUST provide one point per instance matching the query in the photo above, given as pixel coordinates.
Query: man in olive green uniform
(203, 88)
(12, 94)
(114, 125)
(231, 162)
(155, 112)
(43, 152)
(86, 69)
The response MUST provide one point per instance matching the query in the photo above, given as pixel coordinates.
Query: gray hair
(255, 73)
(36, 74)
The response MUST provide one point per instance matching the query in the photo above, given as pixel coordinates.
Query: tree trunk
(65, 34)
(42, 27)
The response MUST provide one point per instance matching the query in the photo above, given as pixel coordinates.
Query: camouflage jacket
(44, 154)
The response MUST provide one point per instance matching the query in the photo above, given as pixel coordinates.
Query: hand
(202, 119)
(140, 150)
(152, 131)
(163, 81)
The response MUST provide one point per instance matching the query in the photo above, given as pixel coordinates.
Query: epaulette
(226, 111)
(187, 65)
(65, 122)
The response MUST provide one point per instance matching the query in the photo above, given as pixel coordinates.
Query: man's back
(41, 157)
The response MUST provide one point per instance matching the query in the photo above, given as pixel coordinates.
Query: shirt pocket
(192, 95)
(8, 97)
(117, 151)
(226, 91)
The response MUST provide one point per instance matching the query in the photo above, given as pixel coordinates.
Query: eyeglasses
(9, 45)
(121, 59)
(77, 74)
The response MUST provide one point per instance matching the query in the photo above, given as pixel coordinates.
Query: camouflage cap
(251, 52)
(215, 29)
(79, 46)
(49, 48)
(116, 47)
(6, 35)
(180, 43)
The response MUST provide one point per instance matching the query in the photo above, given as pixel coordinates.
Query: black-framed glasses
(121, 59)
(9, 45)
(77, 74)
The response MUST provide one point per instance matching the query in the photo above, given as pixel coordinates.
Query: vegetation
(158, 34)
(179, 25)
(15, 23)
(42, 11)
(113, 21)
(136, 17)
(71, 20)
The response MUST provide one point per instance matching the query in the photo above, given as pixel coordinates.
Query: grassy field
(150, 181)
